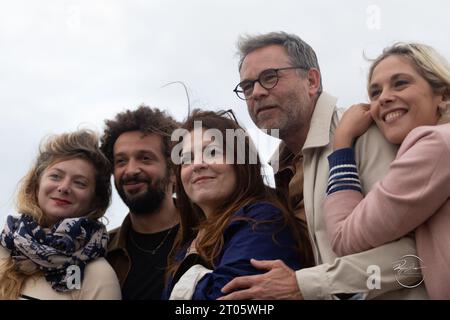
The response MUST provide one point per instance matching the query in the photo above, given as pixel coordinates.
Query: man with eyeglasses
(282, 86)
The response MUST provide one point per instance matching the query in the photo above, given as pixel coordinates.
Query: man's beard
(148, 202)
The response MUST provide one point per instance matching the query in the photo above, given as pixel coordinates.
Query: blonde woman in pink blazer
(409, 91)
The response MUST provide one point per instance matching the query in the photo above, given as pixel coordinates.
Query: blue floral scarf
(73, 241)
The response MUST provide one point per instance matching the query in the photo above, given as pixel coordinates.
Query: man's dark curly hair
(145, 119)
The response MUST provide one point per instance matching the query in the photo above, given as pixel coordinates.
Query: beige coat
(99, 283)
(334, 275)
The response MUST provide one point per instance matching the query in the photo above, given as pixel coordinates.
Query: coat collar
(119, 240)
(319, 131)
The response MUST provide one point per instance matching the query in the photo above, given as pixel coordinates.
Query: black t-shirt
(148, 254)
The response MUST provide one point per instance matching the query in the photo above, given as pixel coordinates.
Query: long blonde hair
(81, 144)
(432, 66)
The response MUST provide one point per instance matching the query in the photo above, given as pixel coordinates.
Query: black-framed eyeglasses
(229, 114)
(268, 79)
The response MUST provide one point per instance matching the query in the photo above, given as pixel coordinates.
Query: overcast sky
(66, 64)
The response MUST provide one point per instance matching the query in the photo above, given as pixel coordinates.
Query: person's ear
(444, 104)
(444, 109)
(314, 81)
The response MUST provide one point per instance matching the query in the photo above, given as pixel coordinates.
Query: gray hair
(300, 53)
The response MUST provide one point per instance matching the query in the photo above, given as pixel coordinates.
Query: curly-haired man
(138, 145)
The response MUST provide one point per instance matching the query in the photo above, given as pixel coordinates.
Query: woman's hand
(355, 121)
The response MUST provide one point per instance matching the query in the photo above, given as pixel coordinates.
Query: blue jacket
(243, 240)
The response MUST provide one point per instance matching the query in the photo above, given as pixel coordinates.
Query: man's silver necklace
(151, 251)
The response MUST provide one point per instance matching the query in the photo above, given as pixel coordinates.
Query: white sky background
(66, 64)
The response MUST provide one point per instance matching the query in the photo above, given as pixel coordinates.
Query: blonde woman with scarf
(54, 248)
